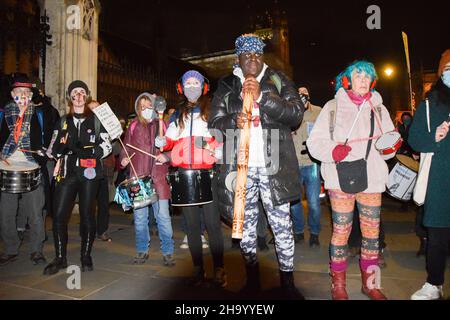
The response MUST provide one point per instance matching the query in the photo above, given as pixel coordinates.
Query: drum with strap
(190, 187)
(402, 178)
(19, 177)
(136, 193)
(388, 144)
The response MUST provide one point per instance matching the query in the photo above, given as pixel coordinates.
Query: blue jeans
(310, 179)
(161, 212)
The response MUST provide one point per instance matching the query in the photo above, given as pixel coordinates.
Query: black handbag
(352, 175)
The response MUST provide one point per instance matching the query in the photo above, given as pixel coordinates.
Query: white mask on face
(193, 93)
(446, 78)
(148, 114)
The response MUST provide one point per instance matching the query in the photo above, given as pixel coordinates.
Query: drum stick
(26, 150)
(129, 158)
(140, 150)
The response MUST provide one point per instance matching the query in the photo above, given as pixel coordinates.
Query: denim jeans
(310, 179)
(161, 211)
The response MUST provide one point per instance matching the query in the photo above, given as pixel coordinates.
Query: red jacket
(184, 151)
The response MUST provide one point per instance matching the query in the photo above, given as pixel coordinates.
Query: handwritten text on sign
(109, 120)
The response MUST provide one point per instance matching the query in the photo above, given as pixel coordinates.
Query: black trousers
(103, 207)
(421, 231)
(437, 250)
(65, 194)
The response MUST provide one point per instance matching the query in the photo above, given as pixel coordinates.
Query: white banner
(108, 120)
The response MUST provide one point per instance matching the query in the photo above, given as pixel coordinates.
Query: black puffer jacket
(280, 111)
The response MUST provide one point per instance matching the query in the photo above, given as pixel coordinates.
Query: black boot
(56, 265)
(262, 245)
(86, 263)
(252, 286)
(290, 292)
(423, 247)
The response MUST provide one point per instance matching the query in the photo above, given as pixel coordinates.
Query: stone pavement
(115, 276)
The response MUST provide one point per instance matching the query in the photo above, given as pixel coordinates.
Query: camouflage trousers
(278, 216)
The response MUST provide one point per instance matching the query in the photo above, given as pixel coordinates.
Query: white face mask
(446, 78)
(148, 114)
(193, 93)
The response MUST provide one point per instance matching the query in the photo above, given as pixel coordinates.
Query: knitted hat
(192, 74)
(249, 43)
(444, 60)
(77, 84)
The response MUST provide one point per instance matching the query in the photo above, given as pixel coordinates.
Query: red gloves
(340, 152)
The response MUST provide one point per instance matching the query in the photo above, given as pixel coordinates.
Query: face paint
(78, 97)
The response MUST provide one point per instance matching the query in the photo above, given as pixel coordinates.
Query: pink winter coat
(143, 137)
(321, 146)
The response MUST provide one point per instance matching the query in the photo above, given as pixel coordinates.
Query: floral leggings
(343, 204)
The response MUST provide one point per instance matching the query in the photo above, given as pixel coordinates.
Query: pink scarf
(356, 98)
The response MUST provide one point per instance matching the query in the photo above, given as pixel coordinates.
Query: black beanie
(77, 84)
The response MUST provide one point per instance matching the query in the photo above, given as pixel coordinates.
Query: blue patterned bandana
(249, 43)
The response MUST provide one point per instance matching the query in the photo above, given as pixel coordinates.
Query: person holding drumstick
(342, 132)
(22, 148)
(80, 144)
(193, 148)
(276, 109)
(141, 135)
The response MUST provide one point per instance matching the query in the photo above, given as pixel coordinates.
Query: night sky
(324, 35)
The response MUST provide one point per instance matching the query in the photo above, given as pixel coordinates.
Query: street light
(388, 71)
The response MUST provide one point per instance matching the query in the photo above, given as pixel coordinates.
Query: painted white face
(361, 82)
(78, 97)
(22, 96)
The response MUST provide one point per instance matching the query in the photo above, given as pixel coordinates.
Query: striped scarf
(12, 112)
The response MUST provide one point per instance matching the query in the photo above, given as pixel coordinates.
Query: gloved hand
(218, 153)
(340, 152)
(160, 142)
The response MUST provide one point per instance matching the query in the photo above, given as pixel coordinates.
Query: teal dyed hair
(359, 66)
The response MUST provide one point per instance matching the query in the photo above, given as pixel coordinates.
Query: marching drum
(19, 177)
(190, 187)
(136, 193)
(402, 178)
(388, 144)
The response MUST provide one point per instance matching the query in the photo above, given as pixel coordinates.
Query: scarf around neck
(356, 98)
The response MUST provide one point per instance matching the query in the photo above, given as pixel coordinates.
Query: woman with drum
(141, 135)
(343, 139)
(193, 153)
(429, 133)
(81, 142)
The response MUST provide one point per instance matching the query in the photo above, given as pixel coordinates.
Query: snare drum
(402, 178)
(190, 187)
(388, 144)
(19, 178)
(136, 193)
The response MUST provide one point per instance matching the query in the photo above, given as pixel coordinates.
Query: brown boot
(338, 282)
(374, 293)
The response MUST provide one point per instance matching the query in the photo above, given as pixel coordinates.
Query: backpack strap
(97, 127)
(277, 81)
(332, 117)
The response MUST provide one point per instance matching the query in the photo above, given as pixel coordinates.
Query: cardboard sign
(108, 120)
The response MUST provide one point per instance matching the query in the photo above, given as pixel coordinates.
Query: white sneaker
(428, 292)
(184, 244)
(204, 243)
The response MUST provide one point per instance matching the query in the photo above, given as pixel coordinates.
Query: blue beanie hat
(249, 43)
(192, 74)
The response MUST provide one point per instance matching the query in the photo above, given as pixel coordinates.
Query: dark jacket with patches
(87, 141)
(279, 111)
